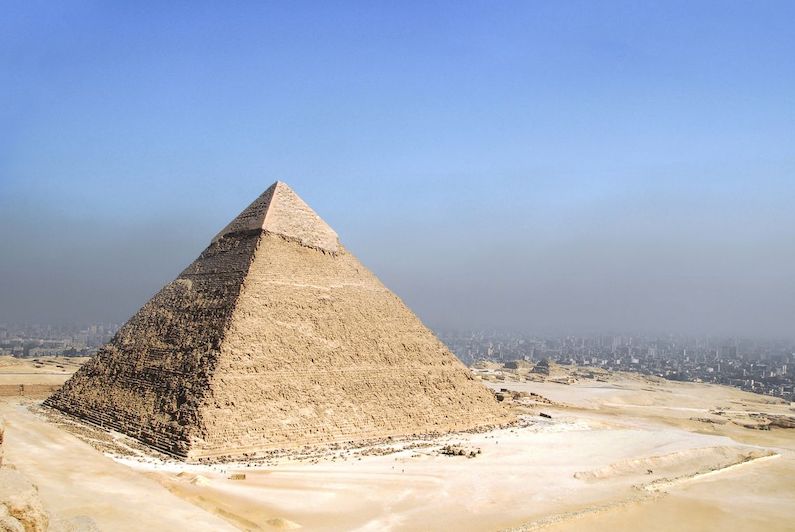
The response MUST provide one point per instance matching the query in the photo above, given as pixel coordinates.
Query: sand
(629, 453)
(74, 479)
(38, 371)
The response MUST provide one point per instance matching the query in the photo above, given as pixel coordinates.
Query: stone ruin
(275, 337)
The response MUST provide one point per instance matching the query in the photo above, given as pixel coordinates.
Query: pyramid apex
(279, 210)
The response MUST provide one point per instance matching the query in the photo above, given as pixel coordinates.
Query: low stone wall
(28, 390)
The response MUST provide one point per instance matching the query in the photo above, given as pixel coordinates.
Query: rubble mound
(275, 337)
(458, 450)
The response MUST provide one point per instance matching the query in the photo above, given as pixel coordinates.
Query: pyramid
(274, 337)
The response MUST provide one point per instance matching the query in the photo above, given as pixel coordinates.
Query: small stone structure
(543, 367)
(275, 337)
(518, 364)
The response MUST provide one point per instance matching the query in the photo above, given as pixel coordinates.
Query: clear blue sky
(537, 165)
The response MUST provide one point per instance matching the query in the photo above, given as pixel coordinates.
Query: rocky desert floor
(592, 451)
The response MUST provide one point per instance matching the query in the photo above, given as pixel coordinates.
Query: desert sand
(37, 371)
(620, 452)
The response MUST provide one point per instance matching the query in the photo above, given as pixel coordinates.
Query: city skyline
(761, 366)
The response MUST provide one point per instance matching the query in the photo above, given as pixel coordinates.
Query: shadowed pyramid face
(274, 337)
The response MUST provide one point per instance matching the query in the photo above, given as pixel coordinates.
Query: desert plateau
(589, 451)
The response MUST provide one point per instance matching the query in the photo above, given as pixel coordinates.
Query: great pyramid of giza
(275, 337)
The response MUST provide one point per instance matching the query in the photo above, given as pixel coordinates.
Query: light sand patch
(74, 479)
(686, 462)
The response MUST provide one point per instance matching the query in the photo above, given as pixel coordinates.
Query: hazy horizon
(551, 167)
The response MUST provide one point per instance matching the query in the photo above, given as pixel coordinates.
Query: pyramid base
(181, 450)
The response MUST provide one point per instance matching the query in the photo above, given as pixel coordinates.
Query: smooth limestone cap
(280, 211)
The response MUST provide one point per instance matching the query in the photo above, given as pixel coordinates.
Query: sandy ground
(625, 454)
(74, 479)
(757, 495)
(44, 370)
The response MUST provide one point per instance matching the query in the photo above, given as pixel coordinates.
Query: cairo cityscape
(361, 266)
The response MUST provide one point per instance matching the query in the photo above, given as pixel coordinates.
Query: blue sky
(529, 165)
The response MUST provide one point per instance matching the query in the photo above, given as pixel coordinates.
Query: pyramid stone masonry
(275, 337)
